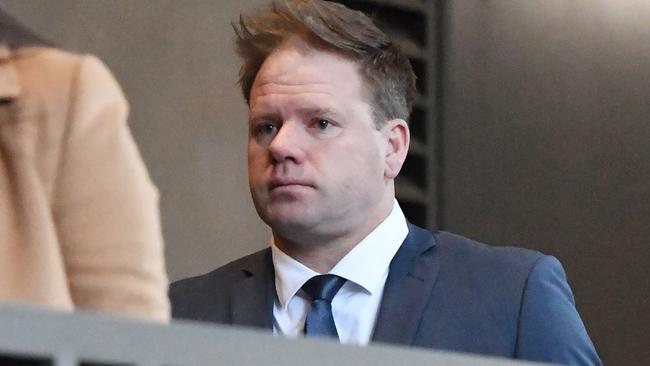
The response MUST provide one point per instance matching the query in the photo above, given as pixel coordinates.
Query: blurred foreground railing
(37, 337)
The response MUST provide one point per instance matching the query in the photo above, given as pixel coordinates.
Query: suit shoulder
(47, 56)
(208, 297)
(51, 65)
(473, 253)
(59, 78)
(219, 278)
(474, 272)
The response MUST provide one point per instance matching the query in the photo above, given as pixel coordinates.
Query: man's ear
(398, 137)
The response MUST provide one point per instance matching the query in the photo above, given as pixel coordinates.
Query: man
(329, 95)
(79, 222)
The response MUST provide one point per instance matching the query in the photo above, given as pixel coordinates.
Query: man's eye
(323, 124)
(266, 128)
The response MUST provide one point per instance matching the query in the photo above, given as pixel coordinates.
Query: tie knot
(323, 287)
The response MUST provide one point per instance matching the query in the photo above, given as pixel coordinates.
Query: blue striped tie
(321, 289)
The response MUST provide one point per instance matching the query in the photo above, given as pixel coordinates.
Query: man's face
(315, 158)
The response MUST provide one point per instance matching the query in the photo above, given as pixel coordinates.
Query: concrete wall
(176, 64)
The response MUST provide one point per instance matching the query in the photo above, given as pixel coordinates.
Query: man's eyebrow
(263, 115)
(315, 110)
(264, 109)
(271, 113)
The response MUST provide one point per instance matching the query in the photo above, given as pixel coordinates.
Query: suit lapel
(413, 272)
(253, 297)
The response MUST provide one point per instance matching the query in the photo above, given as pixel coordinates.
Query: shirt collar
(290, 275)
(366, 264)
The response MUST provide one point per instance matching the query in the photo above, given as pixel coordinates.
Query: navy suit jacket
(443, 291)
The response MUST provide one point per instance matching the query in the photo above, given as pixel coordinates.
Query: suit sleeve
(550, 328)
(106, 207)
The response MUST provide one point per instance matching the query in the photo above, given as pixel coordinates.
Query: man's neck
(321, 257)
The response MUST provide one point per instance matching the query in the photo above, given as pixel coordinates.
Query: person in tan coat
(79, 221)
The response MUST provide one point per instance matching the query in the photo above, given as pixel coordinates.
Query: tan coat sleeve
(104, 205)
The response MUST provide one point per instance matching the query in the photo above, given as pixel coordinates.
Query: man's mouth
(289, 182)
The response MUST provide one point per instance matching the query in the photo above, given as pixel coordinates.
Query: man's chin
(289, 224)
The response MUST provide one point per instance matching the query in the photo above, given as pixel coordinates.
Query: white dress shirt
(356, 304)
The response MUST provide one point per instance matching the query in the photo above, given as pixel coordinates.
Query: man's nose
(288, 144)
